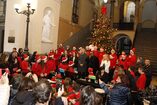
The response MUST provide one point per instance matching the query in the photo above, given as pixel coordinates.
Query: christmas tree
(102, 32)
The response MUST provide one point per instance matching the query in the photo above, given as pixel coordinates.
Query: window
(75, 11)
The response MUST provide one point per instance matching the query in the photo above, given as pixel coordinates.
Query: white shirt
(107, 65)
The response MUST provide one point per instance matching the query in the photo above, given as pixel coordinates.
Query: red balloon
(103, 10)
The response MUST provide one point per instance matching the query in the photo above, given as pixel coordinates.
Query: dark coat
(148, 72)
(83, 59)
(24, 98)
(119, 94)
(94, 63)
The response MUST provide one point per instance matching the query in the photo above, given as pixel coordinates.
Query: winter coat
(118, 95)
(83, 59)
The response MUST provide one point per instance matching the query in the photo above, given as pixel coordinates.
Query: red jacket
(101, 56)
(132, 60)
(19, 60)
(36, 68)
(25, 66)
(124, 63)
(71, 69)
(63, 66)
(60, 51)
(47, 68)
(113, 61)
(51, 64)
(141, 81)
(96, 53)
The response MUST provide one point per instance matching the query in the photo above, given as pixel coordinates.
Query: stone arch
(122, 43)
(149, 14)
(122, 9)
(148, 24)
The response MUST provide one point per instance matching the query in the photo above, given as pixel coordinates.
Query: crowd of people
(51, 78)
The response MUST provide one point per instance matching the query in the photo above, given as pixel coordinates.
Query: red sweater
(63, 66)
(113, 61)
(71, 69)
(124, 63)
(132, 60)
(101, 56)
(25, 66)
(36, 68)
(51, 64)
(96, 53)
(140, 83)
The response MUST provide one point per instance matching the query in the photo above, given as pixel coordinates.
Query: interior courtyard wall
(15, 26)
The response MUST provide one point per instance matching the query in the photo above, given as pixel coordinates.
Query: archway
(127, 12)
(149, 17)
(122, 43)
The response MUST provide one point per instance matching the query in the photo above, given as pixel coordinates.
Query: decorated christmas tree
(102, 32)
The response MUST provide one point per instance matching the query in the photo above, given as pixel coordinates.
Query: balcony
(124, 26)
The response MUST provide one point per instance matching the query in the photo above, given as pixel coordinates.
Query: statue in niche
(47, 26)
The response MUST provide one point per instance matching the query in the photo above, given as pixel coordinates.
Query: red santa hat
(53, 80)
(51, 55)
(58, 76)
(90, 69)
(25, 56)
(43, 57)
(64, 59)
(37, 57)
(133, 50)
(71, 63)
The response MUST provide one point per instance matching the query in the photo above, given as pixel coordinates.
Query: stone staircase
(146, 44)
(81, 38)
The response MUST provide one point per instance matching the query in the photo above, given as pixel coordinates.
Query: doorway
(127, 12)
(123, 43)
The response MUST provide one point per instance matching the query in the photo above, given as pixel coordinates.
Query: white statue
(47, 25)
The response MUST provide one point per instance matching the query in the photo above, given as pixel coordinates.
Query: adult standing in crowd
(82, 63)
(105, 66)
(148, 72)
(93, 62)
